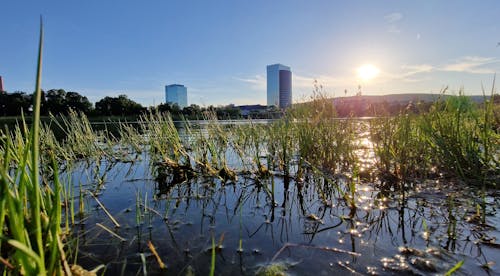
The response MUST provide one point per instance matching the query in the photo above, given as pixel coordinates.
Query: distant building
(176, 94)
(247, 110)
(279, 86)
(1, 85)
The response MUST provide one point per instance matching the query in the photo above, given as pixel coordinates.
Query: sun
(367, 72)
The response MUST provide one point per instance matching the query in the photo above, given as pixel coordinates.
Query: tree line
(60, 102)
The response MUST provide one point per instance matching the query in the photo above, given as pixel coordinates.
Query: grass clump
(456, 137)
(461, 137)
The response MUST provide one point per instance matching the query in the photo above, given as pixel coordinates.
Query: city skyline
(218, 49)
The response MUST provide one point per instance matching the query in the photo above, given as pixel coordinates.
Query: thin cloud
(408, 73)
(303, 86)
(257, 82)
(393, 17)
(417, 69)
(471, 64)
(467, 64)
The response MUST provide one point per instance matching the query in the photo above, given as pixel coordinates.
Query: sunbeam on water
(278, 222)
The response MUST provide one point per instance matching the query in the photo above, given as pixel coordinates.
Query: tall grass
(456, 137)
(30, 215)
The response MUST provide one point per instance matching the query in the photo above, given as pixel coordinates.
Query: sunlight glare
(367, 72)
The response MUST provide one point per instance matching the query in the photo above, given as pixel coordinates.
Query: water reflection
(317, 223)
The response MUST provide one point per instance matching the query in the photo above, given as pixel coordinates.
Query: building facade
(1, 85)
(176, 94)
(279, 86)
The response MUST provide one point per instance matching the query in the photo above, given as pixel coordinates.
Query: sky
(220, 49)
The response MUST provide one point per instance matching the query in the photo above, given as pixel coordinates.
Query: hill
(402, 98)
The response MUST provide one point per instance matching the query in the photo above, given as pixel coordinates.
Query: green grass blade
(454, 268)
(26, 250)
(35, 132)
(212, 262)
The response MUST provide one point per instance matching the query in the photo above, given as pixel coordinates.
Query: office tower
(176, 94)
(1, 85)
(279, 86)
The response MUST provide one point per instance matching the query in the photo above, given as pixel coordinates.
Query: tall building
(176, 94)
(1, 85)
(279, 86)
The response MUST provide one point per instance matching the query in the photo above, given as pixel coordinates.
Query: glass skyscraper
(176, 94)
(279, 86)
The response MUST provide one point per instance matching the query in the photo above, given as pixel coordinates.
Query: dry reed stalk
(105, 210)
(158, 259)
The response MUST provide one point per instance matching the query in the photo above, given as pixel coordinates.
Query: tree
(77, 102)
(118, 106)
(13, 103)
(164, 107)
(192, 112)
(56, 101)
(228, 112)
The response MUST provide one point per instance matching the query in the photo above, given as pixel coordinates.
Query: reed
(81, 142)
(212, 259)
(462, 139)
(31, 214)
(455, 137)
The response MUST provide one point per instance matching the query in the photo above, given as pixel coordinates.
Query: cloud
(417, 69)
(407, 73)
(471, 64)
(303, 85)
(306, 83)
(393, 17)
(467, 64)
(257, 82)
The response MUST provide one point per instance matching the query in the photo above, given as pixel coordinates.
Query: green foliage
(455, 136)
(30, 215)
(119, 106)
(461, 138)
(55, 101)
(12, 104)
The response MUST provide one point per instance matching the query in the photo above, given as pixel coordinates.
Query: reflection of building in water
(279, 86)
(176, 94)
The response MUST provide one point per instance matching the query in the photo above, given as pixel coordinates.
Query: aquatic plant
(462, 138)
(30, 215)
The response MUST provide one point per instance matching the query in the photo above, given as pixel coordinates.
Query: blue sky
(220, 49)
